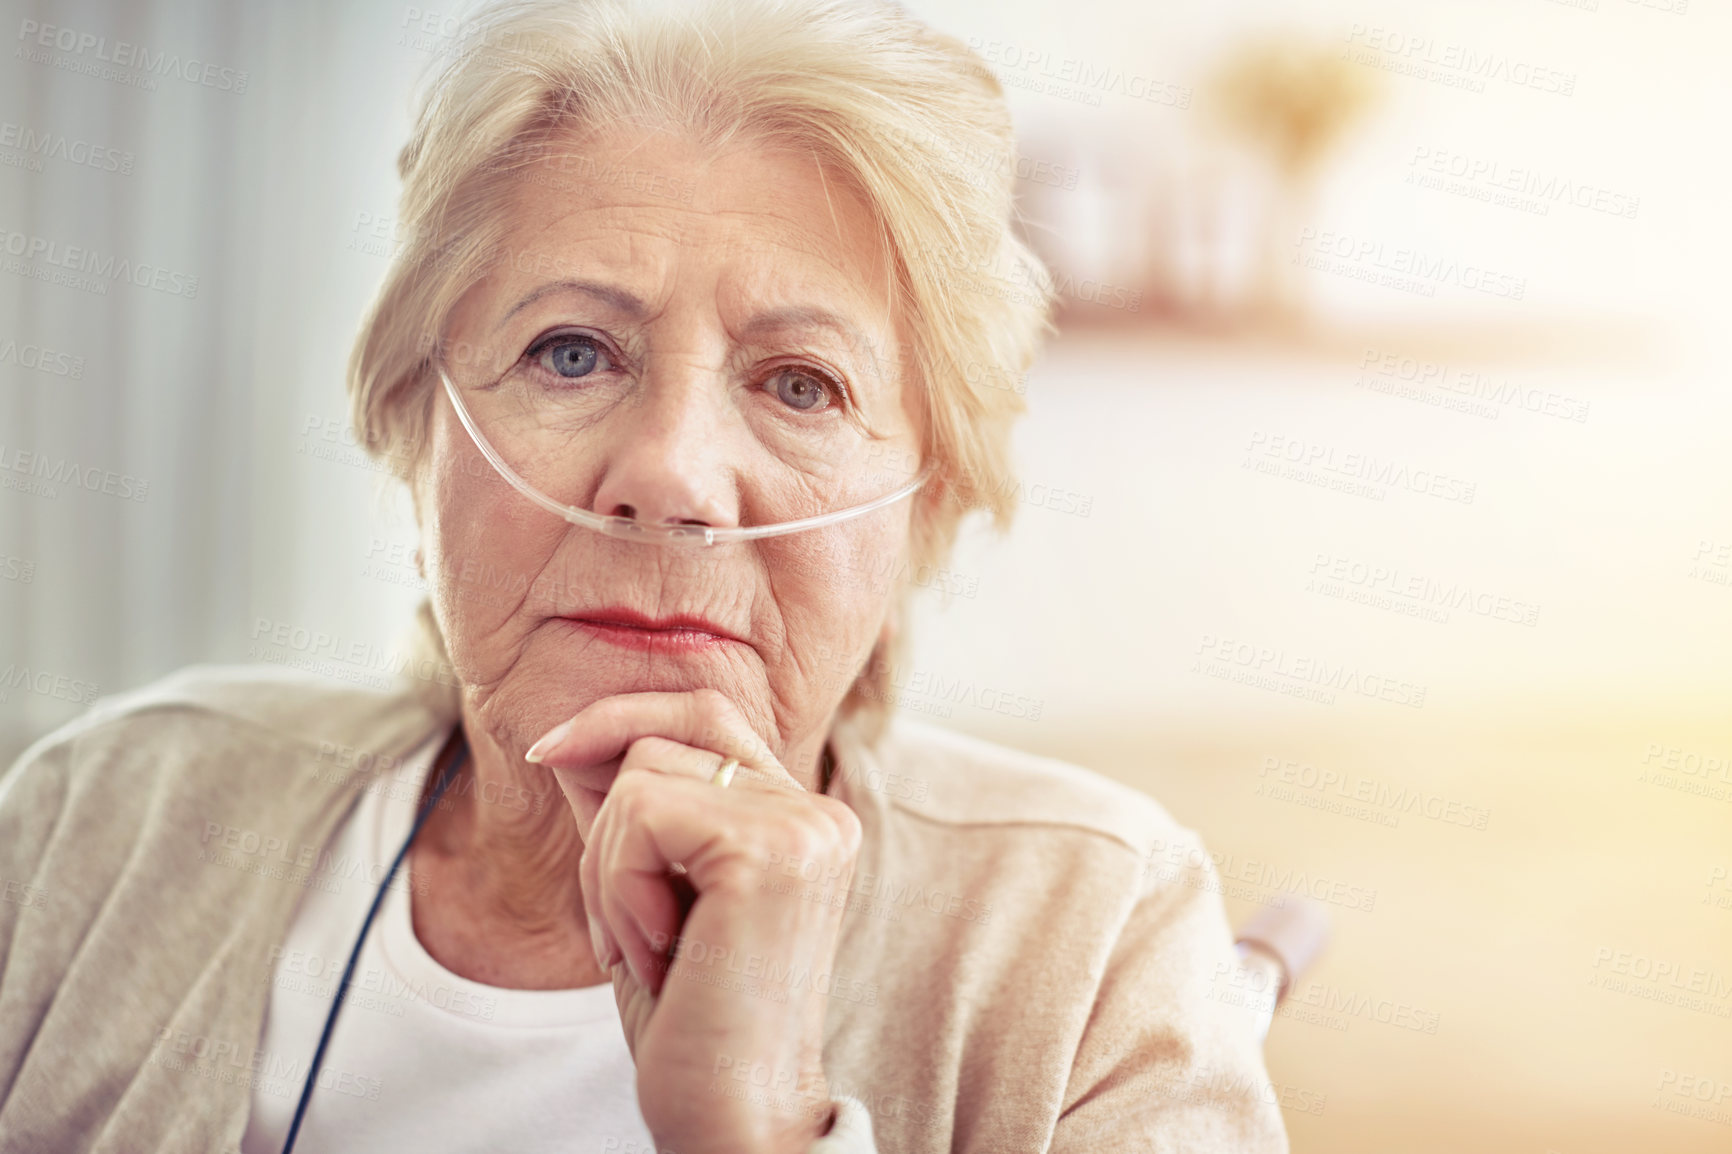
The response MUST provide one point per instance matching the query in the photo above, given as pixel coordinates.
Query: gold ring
(725, 772)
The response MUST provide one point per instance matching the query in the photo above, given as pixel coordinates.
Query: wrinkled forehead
(761, 230)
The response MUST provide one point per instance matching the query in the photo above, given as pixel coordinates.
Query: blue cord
(445, 777)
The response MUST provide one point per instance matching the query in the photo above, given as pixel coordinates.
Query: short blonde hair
(910, 116)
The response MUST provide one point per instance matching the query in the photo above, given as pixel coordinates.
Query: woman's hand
(719, 951)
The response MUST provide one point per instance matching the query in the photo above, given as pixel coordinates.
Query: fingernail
(548, 740)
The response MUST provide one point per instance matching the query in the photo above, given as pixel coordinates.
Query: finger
(726, 841)
(723, 837)
(659, 755)
(704, 719)
(612, 942)
(643, 910)
(635, 905)
(634, 916)
(589, 870)
(646, 754)
(656, 754)
(728, 844)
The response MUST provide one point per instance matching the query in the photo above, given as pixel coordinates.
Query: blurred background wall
(1377, 507)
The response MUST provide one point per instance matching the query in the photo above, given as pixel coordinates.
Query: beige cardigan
(1021, 968)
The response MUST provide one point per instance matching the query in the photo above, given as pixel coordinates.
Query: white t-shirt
(421, 1059)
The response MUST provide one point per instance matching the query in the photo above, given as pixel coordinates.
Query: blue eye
(572, 356)
(800, 390)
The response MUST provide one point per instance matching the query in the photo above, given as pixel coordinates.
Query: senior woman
(675, 362)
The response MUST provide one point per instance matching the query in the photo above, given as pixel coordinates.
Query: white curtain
(196, 198)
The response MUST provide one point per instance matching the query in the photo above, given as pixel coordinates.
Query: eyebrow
(783, 319)
(619, 298)
(809, 317)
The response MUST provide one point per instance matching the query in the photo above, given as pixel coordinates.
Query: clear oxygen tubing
(629, 529)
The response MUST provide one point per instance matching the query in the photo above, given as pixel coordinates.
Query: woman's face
(682, 336)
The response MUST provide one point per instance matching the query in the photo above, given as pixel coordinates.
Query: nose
(667, 461)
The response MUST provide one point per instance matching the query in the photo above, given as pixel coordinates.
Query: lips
(684, 633)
